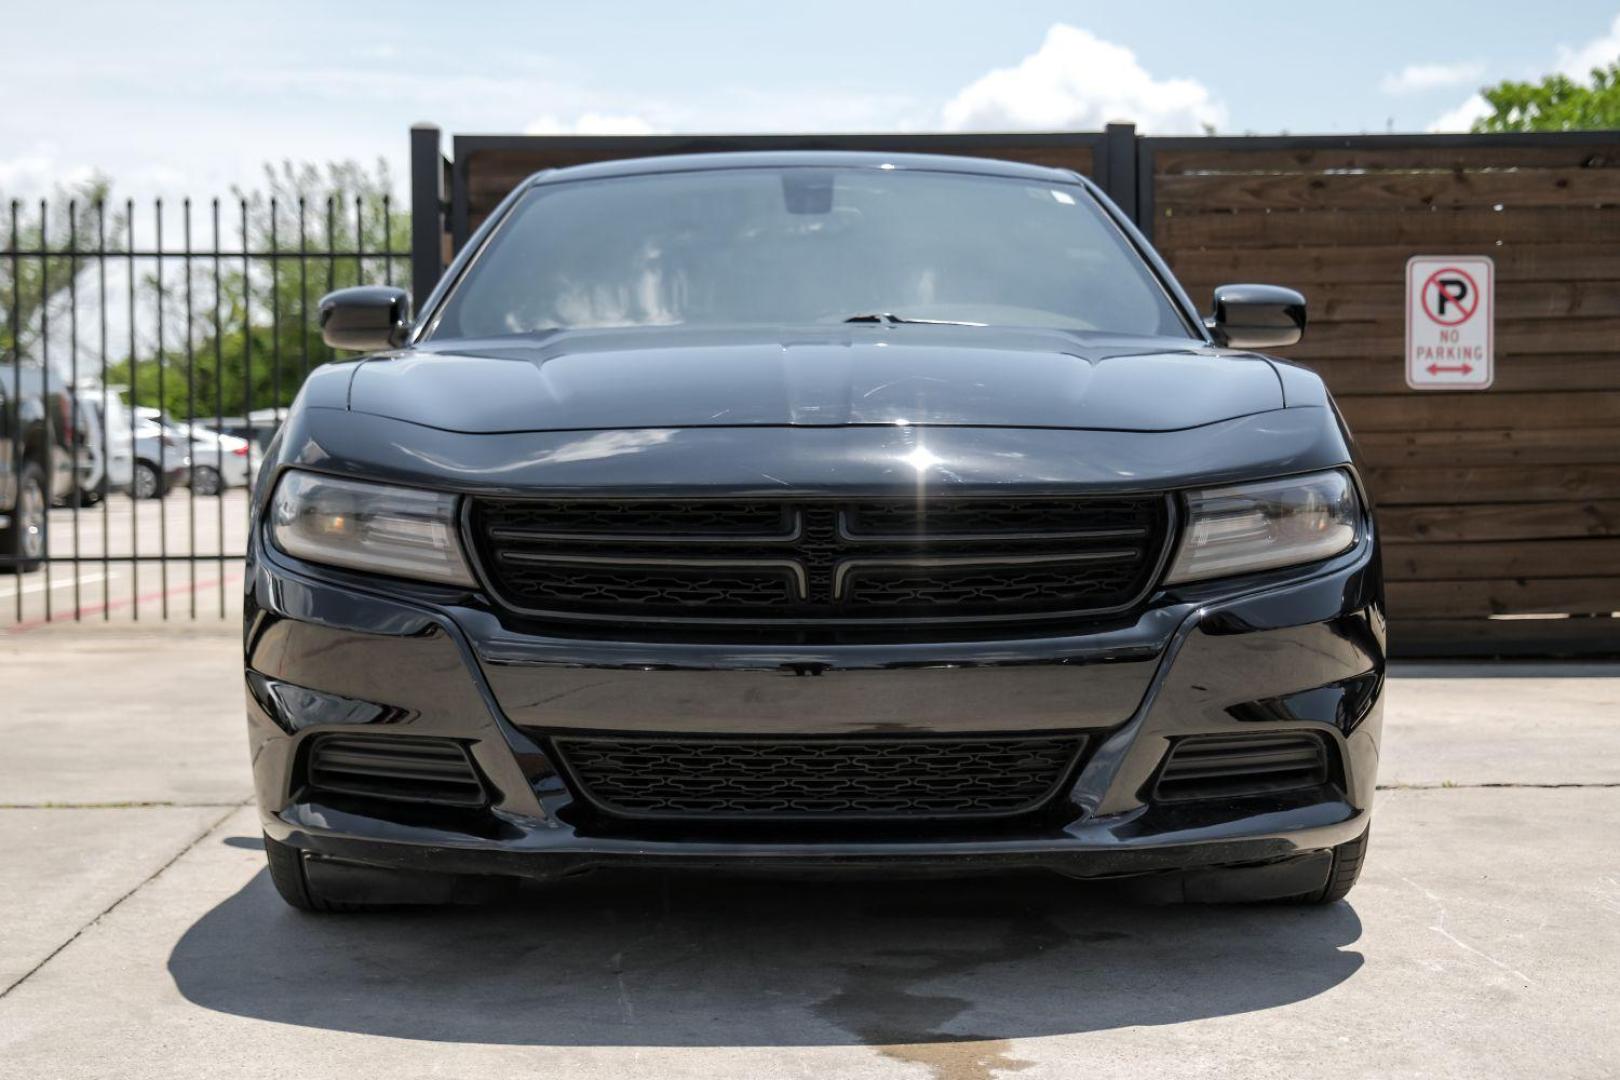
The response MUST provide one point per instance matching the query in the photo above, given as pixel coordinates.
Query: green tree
(36, 288)
(1556, 103)
(253, 339)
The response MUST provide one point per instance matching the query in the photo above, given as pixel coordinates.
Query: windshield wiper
(889, 318)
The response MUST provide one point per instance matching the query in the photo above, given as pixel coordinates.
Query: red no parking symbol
(1450, 296)
(1450, 322)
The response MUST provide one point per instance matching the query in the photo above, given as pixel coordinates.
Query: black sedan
(807, 511)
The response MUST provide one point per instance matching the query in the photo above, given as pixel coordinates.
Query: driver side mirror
(366, 318)
(1256, 316)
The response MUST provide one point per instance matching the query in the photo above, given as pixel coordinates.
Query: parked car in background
(815, 510)
(27, 464)
(257, 427)
(162, 462)
(217, 461)
(107, 458)
(58, 426)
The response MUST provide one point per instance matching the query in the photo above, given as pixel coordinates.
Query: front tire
(146, 483)
(345, 888)
(1347, 861)
(287, 875)
(1316, 877)
(24, 540)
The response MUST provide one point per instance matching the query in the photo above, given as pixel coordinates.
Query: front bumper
(1303, 655)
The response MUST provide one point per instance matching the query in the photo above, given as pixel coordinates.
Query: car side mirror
(366, 318)
(1256, 316)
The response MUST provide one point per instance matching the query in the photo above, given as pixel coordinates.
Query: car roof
(778, 159)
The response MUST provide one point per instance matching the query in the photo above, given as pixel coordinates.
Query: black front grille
(795, 562)
(574, 587)
(994, 517)
(397, 767)
(818, 779)
(1227, 766)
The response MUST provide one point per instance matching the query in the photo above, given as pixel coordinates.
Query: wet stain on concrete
(967, 1060)
(883, 1000)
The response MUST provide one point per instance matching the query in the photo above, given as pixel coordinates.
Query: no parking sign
(1450, 322)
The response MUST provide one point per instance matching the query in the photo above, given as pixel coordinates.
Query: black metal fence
(147, 354)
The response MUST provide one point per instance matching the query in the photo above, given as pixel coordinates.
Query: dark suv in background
(37, 466)
(812, 510)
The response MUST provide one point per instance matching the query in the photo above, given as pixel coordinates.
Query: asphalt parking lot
(143, 939)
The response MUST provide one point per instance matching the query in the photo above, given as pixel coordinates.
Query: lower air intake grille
(1224, 766)
(818, 779)
(395, 767)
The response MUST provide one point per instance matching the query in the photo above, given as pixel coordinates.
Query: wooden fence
(1500, 508)
(1497, 506)
(486, 167)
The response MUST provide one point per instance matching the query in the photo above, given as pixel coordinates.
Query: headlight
(1238, 530)
(372, 527)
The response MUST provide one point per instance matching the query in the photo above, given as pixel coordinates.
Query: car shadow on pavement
(923, 968)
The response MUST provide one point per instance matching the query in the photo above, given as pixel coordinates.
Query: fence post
(427, 212)
(1120, 183)
(1146, 207)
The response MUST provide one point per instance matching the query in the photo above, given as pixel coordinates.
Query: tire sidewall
(206, 480)
(31, 507)
(154, 485)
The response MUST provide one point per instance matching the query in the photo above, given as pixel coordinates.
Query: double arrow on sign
(1460, 369)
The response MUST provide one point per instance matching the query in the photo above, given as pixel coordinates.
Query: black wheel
(24, 540)
(287, 875)
(205, 480)
(1347, 860)
(147, 483)
(1327, 875)
(333, 887)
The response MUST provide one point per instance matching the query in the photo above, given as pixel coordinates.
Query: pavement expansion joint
(231, 808)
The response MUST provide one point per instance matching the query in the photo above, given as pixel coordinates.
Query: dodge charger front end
(812, 511)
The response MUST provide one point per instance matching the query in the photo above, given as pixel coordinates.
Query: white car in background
(106, 456)
(217, 461)
(160, 463)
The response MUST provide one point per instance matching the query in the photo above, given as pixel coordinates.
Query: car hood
(922, 375)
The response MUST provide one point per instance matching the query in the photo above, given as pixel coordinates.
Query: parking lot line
(9, 588)
(88, 610)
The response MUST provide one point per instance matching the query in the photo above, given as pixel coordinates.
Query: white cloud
(1577, 63)
(39, 170)
(1076, 81)
(591, 123)
(1600, 52)
(1463, 116)
(1415, 78)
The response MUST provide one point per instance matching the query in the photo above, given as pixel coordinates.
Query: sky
(181, 98)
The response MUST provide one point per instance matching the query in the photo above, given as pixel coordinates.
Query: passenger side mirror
(366, 318)
(1256, 316)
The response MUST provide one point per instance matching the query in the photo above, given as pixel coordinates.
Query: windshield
(806, 245)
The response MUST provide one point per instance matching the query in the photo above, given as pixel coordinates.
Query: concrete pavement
(112, 714)
(144, 939)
